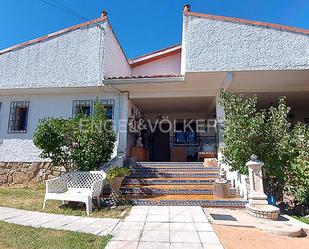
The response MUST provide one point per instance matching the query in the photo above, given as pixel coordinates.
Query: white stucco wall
(116, 63)
(166, 65)
(82, 57)
(74, 58)
(213, 45)
(19, 146)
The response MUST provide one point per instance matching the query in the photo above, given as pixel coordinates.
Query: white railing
(238, 181)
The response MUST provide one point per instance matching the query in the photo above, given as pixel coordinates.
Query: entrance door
(161, 144)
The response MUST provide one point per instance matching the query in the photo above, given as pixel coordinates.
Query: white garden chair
(76, 186)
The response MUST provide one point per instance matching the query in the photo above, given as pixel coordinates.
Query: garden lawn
(31, 198)
(17, 236)
(303, 219)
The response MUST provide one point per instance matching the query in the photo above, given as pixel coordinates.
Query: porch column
(122, 123)
(220, 115)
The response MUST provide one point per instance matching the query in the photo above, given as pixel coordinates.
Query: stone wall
(14, 173)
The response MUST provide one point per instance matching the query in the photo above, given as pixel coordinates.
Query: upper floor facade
(89, 54)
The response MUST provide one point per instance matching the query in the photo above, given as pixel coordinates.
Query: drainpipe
(119, 110)
(116, 90)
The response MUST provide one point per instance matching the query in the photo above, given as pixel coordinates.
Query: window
(82, 107)
(109, 107)
(18, 118)
(185, 133)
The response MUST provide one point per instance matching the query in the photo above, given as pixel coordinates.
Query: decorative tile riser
(145, 169)
(170, 175)
(168, 182)
(148, 191)
(203, 203)
(165, 165)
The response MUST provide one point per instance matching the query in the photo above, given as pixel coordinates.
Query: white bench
(76, 186)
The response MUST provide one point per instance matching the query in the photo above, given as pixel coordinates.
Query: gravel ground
(251, 238)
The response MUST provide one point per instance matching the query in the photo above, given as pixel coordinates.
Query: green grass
(17, 236)
(303, 219)
(31, 198)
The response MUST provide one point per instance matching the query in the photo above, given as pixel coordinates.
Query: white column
(122, 123)
(220, 115)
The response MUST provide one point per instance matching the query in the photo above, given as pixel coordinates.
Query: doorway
(161, 144)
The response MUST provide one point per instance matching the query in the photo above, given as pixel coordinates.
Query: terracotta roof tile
(143, 76)
(155, 55)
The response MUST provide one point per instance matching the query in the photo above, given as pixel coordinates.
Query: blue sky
(140, 25)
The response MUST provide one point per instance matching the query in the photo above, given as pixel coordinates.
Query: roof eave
(249, 22)
(156, 55)
(54, 34)
(144, 80)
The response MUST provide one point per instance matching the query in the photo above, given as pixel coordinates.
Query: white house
(60, 73)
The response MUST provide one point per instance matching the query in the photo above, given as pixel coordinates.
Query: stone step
(175, 169)
(172, 186)
(172, 175)
(203, 203)
(169, 181)
(170, 164)
(171, 191)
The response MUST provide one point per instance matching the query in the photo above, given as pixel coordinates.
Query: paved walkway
(97, 226)
(161, 227)
(174, 227)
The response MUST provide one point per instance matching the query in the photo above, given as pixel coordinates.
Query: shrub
(80, 143)
(268, 134)
(117, 172)
(298, 184)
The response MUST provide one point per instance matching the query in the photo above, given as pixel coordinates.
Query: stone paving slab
(60, 222)
(285, 225)
(98, 226)
(146, 227)
(166, 227)
(20, 219)
(43, 219)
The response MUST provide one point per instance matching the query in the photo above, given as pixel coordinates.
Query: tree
(242, 129)
(268, 134)
(80, 143)
(298, 184)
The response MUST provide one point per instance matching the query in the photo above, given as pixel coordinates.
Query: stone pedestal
(222, 190)
(258, 205)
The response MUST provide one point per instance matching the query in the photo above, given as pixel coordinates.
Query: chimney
(103, 13)
(186, 8)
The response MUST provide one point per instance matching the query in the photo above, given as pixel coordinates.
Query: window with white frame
(18, 118)
(82, 107)
(109, 107)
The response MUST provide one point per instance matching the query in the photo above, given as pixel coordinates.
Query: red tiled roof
(143, 76)
(103, 17)
(245, 21)
(155, 55)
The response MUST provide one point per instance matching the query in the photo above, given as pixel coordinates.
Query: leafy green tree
(268, 134)
(298, 179)
(242, 129)
(80, 143)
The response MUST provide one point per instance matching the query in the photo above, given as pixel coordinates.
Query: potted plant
(115, 177)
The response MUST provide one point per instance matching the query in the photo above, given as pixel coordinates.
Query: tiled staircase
(166, 183)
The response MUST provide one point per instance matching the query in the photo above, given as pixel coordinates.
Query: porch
(179, 129)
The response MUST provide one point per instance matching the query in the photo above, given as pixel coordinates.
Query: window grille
(18, 118)
(109, 107)
(82, 107)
